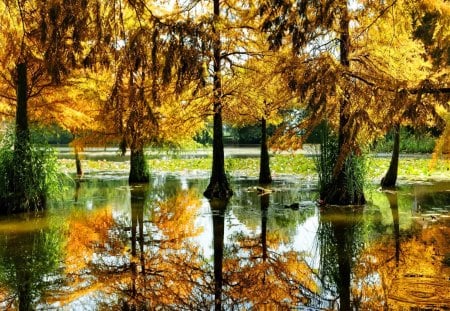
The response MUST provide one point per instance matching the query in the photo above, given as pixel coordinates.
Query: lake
(105, 245)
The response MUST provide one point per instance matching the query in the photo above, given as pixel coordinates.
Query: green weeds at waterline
(281, 164)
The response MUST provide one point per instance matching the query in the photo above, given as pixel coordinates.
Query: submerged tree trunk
(339, 191)
(218, 185)
(390, 179)
(264, 165)
(138, 167)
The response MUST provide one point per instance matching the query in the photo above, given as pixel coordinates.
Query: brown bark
(338, 192)
(78, 163)
(218, 186)
(389, 180)
(264, 165)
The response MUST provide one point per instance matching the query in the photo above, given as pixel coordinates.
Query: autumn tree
(218, 186)
(156, 58)
(406, 78)
(314, 29)
(341, 78)
(258, 97)
(40, 44)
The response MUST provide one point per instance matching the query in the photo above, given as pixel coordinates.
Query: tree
(218, 185)
(405, 77)
(40, 44)
(155, 61)
(258, 97)
(355, 92)
(317, 77)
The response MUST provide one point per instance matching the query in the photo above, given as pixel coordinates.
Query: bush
(325, 161)
(27, 182)
(410, 142)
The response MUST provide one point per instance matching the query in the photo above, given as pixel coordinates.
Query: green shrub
(27, 182)
(326, 160)
(409, 142)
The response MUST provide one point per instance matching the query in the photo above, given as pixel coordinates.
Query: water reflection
(163, 246)
(29, 258)
(393, 204)
(218, 208)
(340, 242)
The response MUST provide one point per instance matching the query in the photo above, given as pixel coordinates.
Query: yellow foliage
(84, 232)
(176, 217)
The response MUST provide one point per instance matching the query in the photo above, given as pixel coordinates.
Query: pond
(107, 246)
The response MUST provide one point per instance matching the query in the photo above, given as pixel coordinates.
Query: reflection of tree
(259, 277)
(410, 276)
(281, 221)
(339, 241)
(393, 203)
(218, 208)
(148, 260)
(29, 255)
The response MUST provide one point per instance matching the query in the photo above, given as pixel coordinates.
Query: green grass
(409, 168)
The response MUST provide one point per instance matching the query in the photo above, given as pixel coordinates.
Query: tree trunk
(264, 165)
(339, 192)
(21, 171)
(78, 163)
(138, 167)
(390, 179)
(218, 186)
(22, 131)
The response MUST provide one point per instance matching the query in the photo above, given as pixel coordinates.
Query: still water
(104, 245)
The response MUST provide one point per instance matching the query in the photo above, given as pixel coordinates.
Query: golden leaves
(175, 216)
(84, 232)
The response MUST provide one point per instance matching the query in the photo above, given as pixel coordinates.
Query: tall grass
(325, 162)
(26, 186)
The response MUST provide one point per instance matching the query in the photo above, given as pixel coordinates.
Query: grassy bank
(410, 169)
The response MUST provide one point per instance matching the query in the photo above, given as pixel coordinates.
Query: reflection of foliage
(146, 273)
(404, 284)
(281, 281)
(174, 217)
(84, 231)
(28, 259)
(261, 277)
